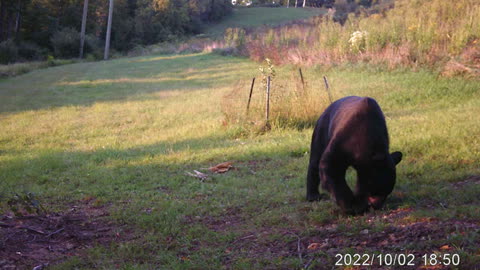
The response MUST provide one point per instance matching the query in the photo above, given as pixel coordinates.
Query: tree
(109, 30)
(11, 12)
(84, 25)
(45, 25)
(304, 1)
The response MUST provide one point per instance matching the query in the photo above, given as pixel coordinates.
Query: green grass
(126, 131)
(258, 16)
(16, 69)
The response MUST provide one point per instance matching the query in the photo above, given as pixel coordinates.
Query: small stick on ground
(32, 230)
(306, 266)
(55, 232)
(243, 238)
(299, 248)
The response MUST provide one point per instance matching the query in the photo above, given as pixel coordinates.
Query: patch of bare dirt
(40, 240)
(230, 218)
(322, 245)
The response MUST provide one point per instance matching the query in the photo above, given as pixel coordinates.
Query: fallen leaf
(313, 246)
(221, 168)
(445, 247)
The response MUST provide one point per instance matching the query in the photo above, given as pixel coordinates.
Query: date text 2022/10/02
(432, 259)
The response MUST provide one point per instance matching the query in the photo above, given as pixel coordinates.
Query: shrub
(94, 47)
(18, 69)
(66, 43)
(235, 38)
(31, 51)
(8, 52)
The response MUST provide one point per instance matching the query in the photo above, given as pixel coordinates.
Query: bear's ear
(396, 157)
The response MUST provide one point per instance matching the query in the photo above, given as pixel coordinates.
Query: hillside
(258, 16)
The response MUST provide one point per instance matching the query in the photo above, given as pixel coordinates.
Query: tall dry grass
(412, 33)
(438, 34)
(293, 104)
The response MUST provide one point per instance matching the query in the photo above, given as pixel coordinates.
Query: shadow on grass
(84, 84)
(103, 172)
(106, 171)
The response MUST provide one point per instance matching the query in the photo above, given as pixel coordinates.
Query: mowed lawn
(262, 16)
(121, 135)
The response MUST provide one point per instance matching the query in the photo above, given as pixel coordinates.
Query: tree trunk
(109, 29)
(18, 19)
(8, 25)
(84, 25)
(304, 1)
(296, 3)
(2, 18)
(288, 3)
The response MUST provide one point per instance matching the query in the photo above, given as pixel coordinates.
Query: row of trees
(40, 27)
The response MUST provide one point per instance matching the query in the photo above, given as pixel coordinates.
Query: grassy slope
(126, 131)
(257, 16)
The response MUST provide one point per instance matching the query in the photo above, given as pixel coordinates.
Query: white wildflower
(357, 40)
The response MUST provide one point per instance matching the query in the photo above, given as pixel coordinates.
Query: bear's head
(382, 178)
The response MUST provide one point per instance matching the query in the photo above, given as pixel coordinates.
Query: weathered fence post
(250, 96)
(301, 78)
(328, 88)
(267, 105)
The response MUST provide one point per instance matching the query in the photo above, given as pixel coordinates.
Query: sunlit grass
(129, 141)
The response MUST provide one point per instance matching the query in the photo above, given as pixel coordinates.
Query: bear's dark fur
(352, 132)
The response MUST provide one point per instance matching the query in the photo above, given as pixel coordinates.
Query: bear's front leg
(333, 180)
(359, 205)
(313, 181)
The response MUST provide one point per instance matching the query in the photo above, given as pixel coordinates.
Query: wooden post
(109, 29)
(267, 104)
(84, 25)
(301, 78)
(328, 89)
(250, 96)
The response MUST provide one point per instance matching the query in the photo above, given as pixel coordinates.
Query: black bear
(352, 132)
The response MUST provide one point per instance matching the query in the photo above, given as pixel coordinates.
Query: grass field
(120, 136)
(258, 16)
